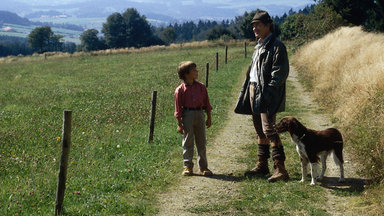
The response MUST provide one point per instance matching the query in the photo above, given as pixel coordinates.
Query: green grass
(112, 169)
(258, 197)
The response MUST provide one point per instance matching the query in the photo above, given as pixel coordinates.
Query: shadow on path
(350, 186)
(224, 177)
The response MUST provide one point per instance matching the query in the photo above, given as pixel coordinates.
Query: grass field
(23, 31)
(112, 168)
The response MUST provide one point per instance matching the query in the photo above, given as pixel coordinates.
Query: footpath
(194, 195)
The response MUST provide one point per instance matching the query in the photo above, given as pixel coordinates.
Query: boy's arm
(178, 113)
(208, 123)
(208, 109)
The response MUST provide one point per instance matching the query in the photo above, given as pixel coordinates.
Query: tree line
(130, 29)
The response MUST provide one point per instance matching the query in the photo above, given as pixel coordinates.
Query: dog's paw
(313, 182)
(320, 178)
(302, 180)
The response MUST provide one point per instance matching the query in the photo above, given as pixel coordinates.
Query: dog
(312, 145)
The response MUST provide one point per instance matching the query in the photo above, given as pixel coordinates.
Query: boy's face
(193, 74)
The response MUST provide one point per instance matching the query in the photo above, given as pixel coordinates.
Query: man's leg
(278, 155)
(263, 154)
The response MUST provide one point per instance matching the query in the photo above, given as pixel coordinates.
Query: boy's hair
(184, 68)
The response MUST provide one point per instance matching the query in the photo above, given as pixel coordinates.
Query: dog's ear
(292, 125)
(284, 124)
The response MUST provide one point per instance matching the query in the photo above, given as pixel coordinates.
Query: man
(263, 95)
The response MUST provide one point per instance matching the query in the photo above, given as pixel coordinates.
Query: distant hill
(12, 18)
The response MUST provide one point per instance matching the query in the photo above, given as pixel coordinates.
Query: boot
(261, 168)
(278, 156)
(280, 172)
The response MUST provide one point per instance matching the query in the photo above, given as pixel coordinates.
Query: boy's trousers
(194, 124)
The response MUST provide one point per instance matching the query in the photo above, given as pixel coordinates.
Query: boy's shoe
(188, 171)
(206, 172)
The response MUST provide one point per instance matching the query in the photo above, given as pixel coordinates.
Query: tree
(138, 31)
(168, 35)
(40, 38)
(56, 43)
(245, 26)
(292, 26)
(375, 20)
(304, 27)
(354, 11)
(115, 31)
(219, 31)
(89, 40)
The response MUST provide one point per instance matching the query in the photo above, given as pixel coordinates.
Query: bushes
(302, 27)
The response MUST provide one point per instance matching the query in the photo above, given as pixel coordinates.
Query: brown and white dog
(312, 144)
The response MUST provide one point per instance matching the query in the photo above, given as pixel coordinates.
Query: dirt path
(336, 205)
(198, 192)
(223, 154)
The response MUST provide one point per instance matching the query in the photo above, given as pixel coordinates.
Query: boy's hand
(181, 129)
(208, 123)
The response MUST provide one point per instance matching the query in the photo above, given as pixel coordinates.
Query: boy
(191, 98)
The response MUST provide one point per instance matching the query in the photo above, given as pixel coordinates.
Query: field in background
(112, 169)
(345, 72)
(86, 23)
(23, 31)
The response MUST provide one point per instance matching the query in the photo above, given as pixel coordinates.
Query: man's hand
(181, 129)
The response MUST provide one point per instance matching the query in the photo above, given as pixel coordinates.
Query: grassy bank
(345, 72)
(113, 170)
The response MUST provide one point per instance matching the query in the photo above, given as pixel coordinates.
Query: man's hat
(262, 16)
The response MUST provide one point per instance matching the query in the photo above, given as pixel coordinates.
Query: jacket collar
(265, 41)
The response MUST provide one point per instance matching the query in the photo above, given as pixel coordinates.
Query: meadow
(112, 169)
(345, 73)
(23, 31)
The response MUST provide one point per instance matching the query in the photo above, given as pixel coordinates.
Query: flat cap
(261, 16)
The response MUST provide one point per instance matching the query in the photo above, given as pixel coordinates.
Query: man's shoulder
(278, 43)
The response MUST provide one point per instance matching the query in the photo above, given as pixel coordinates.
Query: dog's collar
(302, 137)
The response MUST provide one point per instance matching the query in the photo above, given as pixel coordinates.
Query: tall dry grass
(345, 72)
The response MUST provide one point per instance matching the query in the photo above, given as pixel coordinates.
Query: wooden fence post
(206, 75)
(65, 147)
(226, 54)
(245, 49)
(153, 114)
(217, 61)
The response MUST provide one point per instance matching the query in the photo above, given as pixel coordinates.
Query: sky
(157, 11)
(227, 3)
